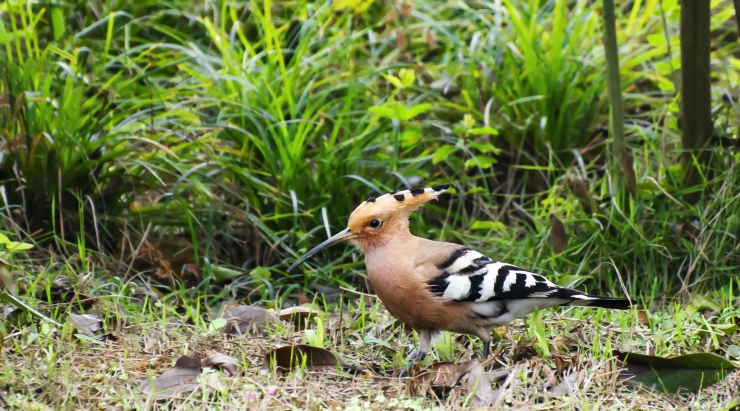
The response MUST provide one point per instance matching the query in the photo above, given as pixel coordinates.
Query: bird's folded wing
(467, 275)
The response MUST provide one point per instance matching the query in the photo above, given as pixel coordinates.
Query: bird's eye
(374, 223)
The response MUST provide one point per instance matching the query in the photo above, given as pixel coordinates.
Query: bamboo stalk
(696, 116)
(616, 124)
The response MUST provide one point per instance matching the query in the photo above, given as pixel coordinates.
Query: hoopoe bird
(433, 286)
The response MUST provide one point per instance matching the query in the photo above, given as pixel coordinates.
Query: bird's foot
(419, 356)
(413, 360)
(488, 359)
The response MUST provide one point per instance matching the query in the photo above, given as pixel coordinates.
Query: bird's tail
(585, 300)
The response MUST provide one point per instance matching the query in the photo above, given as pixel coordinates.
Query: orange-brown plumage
(433, 286)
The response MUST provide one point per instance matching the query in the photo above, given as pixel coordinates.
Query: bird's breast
(407, 298)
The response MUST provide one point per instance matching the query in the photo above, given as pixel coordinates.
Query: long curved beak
(337, 238)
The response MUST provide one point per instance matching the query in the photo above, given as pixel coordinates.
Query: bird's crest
(398, 204)
(406, 200)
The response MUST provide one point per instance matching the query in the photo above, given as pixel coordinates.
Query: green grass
(150, 333)
(199, 148)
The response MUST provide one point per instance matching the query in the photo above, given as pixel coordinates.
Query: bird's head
(377, 220)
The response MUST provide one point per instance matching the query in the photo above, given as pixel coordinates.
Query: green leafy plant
(61, 154)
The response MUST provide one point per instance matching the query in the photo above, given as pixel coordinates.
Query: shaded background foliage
(240, 134)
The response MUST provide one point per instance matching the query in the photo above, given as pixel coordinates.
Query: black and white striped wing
(468, 275)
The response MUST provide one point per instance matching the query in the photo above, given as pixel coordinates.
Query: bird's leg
(486, 349)
(485, 336)
(425, 337)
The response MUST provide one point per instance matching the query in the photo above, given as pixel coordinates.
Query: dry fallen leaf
(558, 363)
(579, 188)
(406, 10)
(400, 41)
(167, 257)
(291, 356)
(215, 359)
(179, 380)
(558, 236)
(431, 41)
(243, 317)
(643, 318)
(302, 298)
(523, 350)
(628, 170)
(299, 316)
(439, 375)
(85, 324)
(6, 279)
(566, 386)
(442, 376)
(479, 383)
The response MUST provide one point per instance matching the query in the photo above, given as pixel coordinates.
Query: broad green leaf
(396, 110)
(733, 351)
(669, 5)
(468, 121)
(726, 329)
(411, 134)
(442, 153)
(476, 190)
(416, 110)
(57, 21)
(666, 85)
(216, 325)
(15, 246)
(484, 161)
(703, 303)
(488, 225)
(260, 273)
(484, 148)
(663, 67)
(735, 62)
(657, 40)
(355, 6)
(407, 77)
(4, 239)
(477, 131)
(223, 274)
(393, 80)
(690, 372)
(383, 111)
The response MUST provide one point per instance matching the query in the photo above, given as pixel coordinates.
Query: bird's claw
(418, 356)
(413, 360)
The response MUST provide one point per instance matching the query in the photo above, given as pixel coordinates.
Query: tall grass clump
(242, 134)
